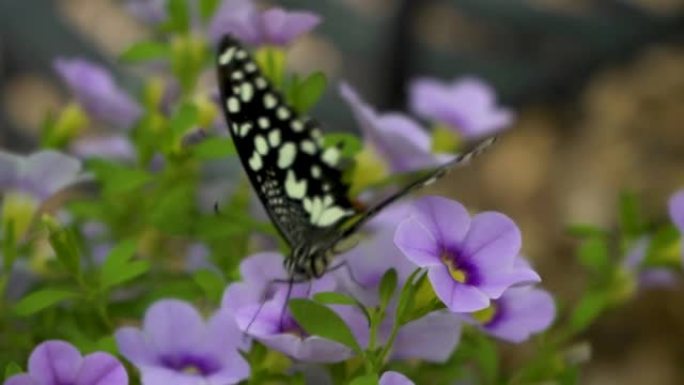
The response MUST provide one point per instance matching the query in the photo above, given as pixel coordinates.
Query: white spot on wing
(241, 54)
(315, 171)
(261, 83)
(297, 126)
(308, 147)
(227, 56)
(274, 138)
(270, 101)
(295, 189)
(260, 145)
(246, 92)
(238, 75)
(283, 113)
(233, 105)
(287, 155)
(245, 128)
(255, 162)
(250, 67)
(323, 212)
(331, 156)
(264, 122)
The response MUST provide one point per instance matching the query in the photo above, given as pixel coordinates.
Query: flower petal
(493, 242)
(676, 207)
(523, 311)
(446, 219)
(495, 283)
(262, 268)
(10, 166)
(134, 346)
(394, 378)
(415, 240)
(46, 172)
(223, 334)
(101, 369)
(280, 27)
(309, 349)
(21, 379)
(173, 326)
(54, 362)
(432, 338)
(239, 18)
(459, 298)
(152, 375)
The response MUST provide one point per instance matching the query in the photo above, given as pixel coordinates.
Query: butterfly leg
(347, 267)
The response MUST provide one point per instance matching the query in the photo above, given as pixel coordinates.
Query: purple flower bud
(148, 11)
(115, 147)
(470, 261)
(176, 346)
(274, 26)
(394, 378)
(399, 141)
(95, 89)
(467, 105)
(647, 277)
(38, 175)
(58, 362)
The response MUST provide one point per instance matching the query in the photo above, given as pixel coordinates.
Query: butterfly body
(297, 179)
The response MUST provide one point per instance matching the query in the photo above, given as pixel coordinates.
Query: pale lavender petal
(163, 376)
(54, 362)
(520, 312)
(235, 370)
(263, 268)
(636, 254)
(310, 349)
(173, 326)
(494, 283)
(658, 278)
(493, 242)
(101, 369)
(95, 89)
(394, 378)
(238, 295)
(459, 298)
(432, 338)
(676, 207)
(239, 18)
(280, 27)
(22, 379)
(148, 11)
(223, 334)
(114, 147)
(10, 166)
(446, 219)
(46, 172)
(417, 243)
(133, 345)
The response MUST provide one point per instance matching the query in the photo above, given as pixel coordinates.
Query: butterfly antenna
(290, 284)
(349, 270)
(261, 306)
(217, 210)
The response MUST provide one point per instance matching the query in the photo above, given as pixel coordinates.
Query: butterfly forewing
(297, 180)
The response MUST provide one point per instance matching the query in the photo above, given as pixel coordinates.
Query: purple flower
(38, 175)
(394, 378)
(645, 277)
(148, 11)
(470, 261)
(176, 346)
(260, 310)
(58, 362)
(274, 26)
(95, 89)
(468, 105)
(400, 141)
(677, 212)
(115, 147)
(517, 314)
(431, 338)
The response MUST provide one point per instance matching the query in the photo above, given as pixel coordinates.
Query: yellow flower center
(485, 315)
(191, 369)
(18, 209)
(455, 272)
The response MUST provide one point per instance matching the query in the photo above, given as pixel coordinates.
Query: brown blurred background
(598, 85)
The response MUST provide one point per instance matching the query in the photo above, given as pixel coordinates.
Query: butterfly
(298, 179)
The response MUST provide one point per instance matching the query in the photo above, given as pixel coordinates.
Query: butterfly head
(307, 261)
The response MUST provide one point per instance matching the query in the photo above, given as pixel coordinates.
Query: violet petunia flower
(274, 26)
(399, 140)
(467, 105)
(469, 261)
(519, 313)
(394, 378)
(645, 277)
(176, 346)
(58, 362)
(114, 147)
(259, 305)
(95, 89)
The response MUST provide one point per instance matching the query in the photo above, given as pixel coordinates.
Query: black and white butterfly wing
(297, 180)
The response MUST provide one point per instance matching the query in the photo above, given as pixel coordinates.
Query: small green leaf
(211, 283)
(179, 15)
(116, 178)
(214, 148)
(42, 299)
(117, 268)
(333, 298)
(319, 320)
(11, 369)
(587, 310)
(631, 222)
(9, 247)
(65, 245)
(309, 91)
(368, 379)
(207, 8)
(184, 119)
(145, 51)
(593, 254)
(127, 272)
(487, 358)
(388, 284)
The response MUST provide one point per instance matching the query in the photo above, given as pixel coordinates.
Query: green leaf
(585, 231)
(184, 119)
(116, 178)
(9, 246)
(334, 298)
(11, 369)
(309, 91)
(631, 222)
(173, 212)
(487, 358)
(211, 283)
(368, 379)
(207, 8)
(118, 268)
(593, 254)
(41, 300)
(145, 51)
(351, 144)
(127, 272)
(214, 148)
(319, 320)
(587, 310)
(65, 245)
(388, 284)
(179, 15)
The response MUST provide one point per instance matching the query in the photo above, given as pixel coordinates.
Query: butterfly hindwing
(297, 180)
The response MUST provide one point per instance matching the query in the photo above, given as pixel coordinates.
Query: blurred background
(598, 86)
